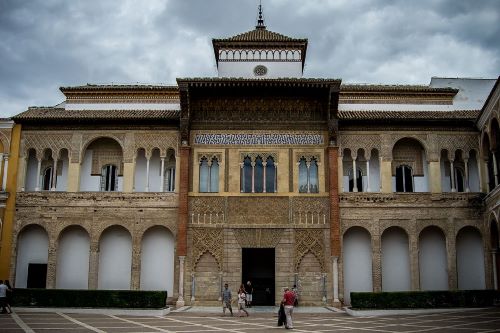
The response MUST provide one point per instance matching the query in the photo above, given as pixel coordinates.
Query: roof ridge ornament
(260, 21)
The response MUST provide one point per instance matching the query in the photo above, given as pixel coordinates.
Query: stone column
(435, 176)
(264, 165)
(51, 265)
(180, 301)
(354, 175)
(335, 270)
(368, 189)
(452, 176)
(253, 177)
(93, 265)
(275, 177)
(466, 162)
(242, 177)
(148, 158)
(162, 175)
(5, 171)
(308, 166)
(39, 169)
(2, 168)
(54, 175)
(182, 217)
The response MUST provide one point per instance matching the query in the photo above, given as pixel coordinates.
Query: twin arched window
(308, 176)
(209, 175)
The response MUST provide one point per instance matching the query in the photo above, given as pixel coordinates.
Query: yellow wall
(8, 217)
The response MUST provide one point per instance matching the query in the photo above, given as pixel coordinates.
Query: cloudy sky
(45, 44)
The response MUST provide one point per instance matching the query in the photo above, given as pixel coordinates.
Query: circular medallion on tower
(260, 70)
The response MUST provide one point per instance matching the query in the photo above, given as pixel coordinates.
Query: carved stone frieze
(309, 240)
(256, 109)
(207, 210)
(258, 139)
(258, 210)
(310, 210)
(42, 141)
(207, 240)
(209, 156)
(452, 143)
(308, 156)
(263, 154)
(258, 238)
(354, 142)
(161, 141)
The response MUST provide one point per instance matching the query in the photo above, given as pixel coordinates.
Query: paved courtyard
(481, 320)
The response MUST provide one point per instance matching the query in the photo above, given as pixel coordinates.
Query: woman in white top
(242, 298)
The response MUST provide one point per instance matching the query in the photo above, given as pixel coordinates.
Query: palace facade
(258, 174)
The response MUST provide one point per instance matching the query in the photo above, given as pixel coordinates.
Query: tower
(260, 53)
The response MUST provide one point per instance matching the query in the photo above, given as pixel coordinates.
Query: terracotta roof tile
(409, 115)
(51, 113)
(260, 35)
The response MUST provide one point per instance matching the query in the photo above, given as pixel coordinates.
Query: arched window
(259, 175)
(209, 175)
(270, 175)
(359, 181)
(459, 179)
(404, 179)
(109, 180)
(47, 179)
(308, 176)
(246, 178)
(169, 182)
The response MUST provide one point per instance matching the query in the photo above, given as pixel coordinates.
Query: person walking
(288, 300)
(242, 297)
(3, 296)
(249, 292)
(295, 291)
(226, 300)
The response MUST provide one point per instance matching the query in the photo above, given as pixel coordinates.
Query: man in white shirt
(3, 296)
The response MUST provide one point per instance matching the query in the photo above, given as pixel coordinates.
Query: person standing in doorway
(242, 297)
(249, 292)
(288, 300)
(226, 300)
(9, 295)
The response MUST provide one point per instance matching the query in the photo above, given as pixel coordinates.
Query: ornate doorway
(258, 267)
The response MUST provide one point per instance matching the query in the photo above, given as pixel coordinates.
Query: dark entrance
(258, 267)
(37, 276)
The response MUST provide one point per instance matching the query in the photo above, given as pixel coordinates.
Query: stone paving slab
(472, 320)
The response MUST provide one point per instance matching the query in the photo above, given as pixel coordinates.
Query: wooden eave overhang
(242, 82)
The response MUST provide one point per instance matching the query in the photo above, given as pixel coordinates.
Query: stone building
(258, 174)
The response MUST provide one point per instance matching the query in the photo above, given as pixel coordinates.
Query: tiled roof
(135, 87)
(51, 113)
(409, 115)
(344, 88)
(260, 35)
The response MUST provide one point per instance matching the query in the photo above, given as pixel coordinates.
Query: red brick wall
(183, 202)
(333, 154)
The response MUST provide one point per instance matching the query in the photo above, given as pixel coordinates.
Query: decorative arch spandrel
(209, 240)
